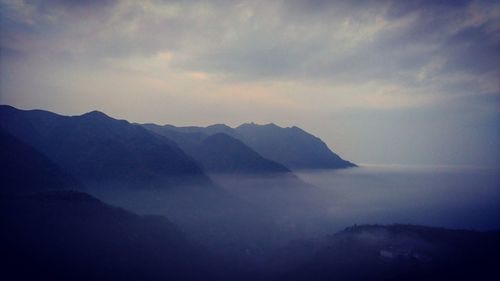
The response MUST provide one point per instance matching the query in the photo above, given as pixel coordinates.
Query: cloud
(408, 43)
(254, 59)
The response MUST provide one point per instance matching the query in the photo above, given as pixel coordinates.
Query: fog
(464, 198)
(246, 219)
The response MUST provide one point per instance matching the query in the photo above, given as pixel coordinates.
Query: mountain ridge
(292, 147)
(98, 149)
(222, 153)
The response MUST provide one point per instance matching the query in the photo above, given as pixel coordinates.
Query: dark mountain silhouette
(69, 235)
(98, 149)
(393, 252)
(25, 170)
(291, 147)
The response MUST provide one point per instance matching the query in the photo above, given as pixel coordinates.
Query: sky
(381, 82)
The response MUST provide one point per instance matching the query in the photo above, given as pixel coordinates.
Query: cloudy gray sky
(382, 82)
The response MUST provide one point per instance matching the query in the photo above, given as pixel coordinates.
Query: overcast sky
(382, 82)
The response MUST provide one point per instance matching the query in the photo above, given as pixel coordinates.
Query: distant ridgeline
(94, 148)
(292, 147)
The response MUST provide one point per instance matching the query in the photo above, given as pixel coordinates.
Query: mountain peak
(302, 150)
(95, 114)
(251, 124)
(271, 125)
(219, 126)
(255, 125)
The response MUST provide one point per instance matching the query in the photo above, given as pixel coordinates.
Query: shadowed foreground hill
(394, 252)
(97, 149)
(68, 235)
(24, 170)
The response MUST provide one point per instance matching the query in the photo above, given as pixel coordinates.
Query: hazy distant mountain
(24, 170)
(218, 152)
(68, 235)
(291, 147)
(393, 252)
(222, 153)
(187, 138)
(98, 149)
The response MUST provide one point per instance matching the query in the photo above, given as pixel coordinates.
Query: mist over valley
(249, 140)
(233, 207)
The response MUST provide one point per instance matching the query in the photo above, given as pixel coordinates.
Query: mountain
(187, 138)
(222, 153)
(291, 147)
(217, 151)
(69, 235)
(393, 252)
(98, 149)
(25, 170)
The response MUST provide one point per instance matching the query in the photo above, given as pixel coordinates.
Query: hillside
(393, 252)
(220, 153)
(292, 147)
(99, 150)
(25, 170)
(68, 235)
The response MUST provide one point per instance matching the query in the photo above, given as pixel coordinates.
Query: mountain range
(292, 147)
(51, 230)
(98, 150)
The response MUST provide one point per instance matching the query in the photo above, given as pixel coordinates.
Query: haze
(385, 82)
